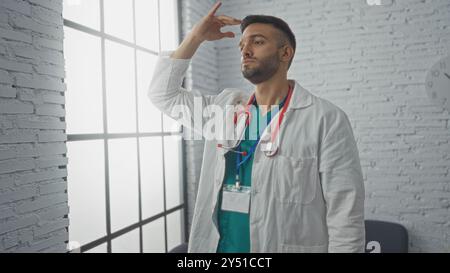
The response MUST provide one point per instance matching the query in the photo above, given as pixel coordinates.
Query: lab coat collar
(301, 98)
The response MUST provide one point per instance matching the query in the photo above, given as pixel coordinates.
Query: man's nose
(246, 52)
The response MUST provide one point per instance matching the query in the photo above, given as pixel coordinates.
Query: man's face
(259, 47)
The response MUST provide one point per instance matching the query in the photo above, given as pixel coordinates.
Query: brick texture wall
(372, 62)
(33, 198)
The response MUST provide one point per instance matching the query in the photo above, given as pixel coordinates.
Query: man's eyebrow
(253, 36)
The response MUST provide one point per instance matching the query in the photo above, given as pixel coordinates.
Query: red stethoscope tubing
(280, 116)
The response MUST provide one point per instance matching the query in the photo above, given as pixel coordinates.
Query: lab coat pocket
(296, 179)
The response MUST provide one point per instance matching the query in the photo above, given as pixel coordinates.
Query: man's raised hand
(209, 27)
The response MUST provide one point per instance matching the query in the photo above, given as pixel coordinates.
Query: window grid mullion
(137, 129)
(106, 136)
(105, 128)
(162, 139)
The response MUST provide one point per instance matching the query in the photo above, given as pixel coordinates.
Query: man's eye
(259, 42)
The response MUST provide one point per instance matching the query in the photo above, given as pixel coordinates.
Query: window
(125, 165)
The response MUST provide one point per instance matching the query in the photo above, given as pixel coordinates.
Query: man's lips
(247, 61)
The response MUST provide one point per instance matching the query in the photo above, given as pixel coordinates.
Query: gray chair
(183, 248)
(385, 237)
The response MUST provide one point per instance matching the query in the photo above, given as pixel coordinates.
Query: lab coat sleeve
(168, 95)
(342, 184)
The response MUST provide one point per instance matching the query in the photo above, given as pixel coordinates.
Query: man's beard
(266, 69)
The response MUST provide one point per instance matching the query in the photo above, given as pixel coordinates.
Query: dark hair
(275, 22)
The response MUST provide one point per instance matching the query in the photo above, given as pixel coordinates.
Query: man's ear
(287, 53)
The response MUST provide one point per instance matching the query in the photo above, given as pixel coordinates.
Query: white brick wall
(372, 62)
(33, 198)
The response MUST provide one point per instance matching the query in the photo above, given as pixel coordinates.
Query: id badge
(234, 199)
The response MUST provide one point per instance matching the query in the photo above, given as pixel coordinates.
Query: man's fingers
(229, 20)
(228, 34)
(225, 22)
(214, 9)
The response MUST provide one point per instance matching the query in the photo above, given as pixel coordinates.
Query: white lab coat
(309, 197)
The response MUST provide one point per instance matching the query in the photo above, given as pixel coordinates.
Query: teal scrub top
(234, 227)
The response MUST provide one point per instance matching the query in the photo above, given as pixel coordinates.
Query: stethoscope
(268, 146)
